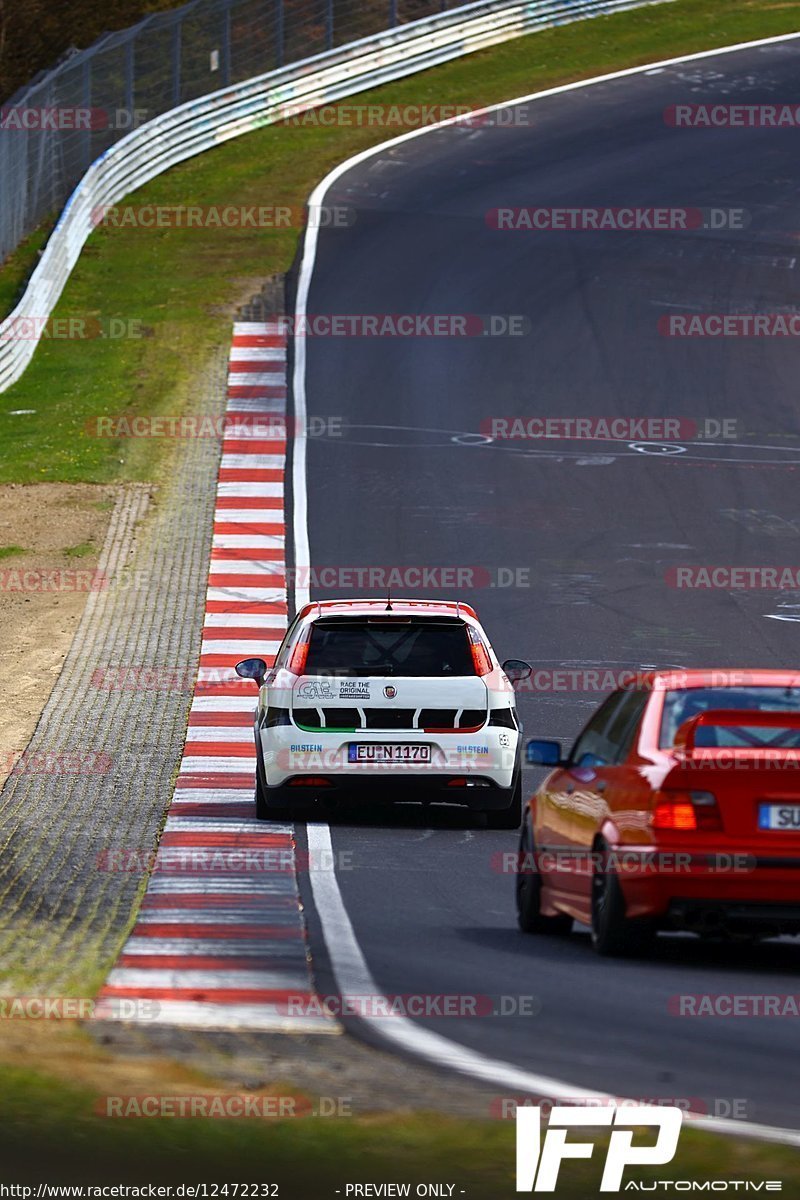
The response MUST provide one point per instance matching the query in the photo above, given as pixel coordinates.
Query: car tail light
(299, 656)
(277, 716)
(505, 717)
(457, 783)
(310, 781)
(480, 655)
(674, 814)
(684, 811)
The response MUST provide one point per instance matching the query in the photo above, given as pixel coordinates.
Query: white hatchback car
(387, 700)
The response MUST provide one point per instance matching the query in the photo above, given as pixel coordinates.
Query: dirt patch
(51, 535)
(113, 1059)
(62, 1050)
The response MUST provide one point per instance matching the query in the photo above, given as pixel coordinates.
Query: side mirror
(543, 753)
(252, 668)
(517, 669)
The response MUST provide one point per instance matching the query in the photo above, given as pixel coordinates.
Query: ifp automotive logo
(538, 1163)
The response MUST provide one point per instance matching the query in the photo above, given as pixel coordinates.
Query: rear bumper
(702, 891)
(481, 795)
(490, 756)
(733, 916)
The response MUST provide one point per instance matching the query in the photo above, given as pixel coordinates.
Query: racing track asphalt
(597, 525)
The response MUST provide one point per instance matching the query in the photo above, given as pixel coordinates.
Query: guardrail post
(392, 13)
(48, 149)
(329, 25)
(177, 32)
(278, 33)
(130, 86)
(86, 140)
(226, 44)
(6, 232)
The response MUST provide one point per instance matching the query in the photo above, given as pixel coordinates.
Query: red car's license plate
(387, 752)
(779, 816)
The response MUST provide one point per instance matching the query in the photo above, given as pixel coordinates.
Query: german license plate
(779, 816)
(388, 752)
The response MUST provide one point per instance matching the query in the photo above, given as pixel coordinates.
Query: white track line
(349, 964)
(353, 978)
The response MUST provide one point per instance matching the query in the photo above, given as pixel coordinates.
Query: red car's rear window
(681, 705)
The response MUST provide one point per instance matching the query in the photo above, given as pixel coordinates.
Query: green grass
(50, 1130)
(82, 550)
(182, 285)
(10, 551)
(18, 266)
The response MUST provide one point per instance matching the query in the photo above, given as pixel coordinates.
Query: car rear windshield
(389, 647)
(680, 706)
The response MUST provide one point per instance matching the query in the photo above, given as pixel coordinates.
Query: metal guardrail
(62, 120)
(211, 120)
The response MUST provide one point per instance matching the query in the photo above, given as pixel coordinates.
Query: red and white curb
(219, 941)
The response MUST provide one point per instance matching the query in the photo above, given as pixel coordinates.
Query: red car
(677, 808)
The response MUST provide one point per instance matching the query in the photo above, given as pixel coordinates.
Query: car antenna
(458, 608)
(389, 602)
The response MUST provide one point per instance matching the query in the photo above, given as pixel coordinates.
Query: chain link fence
(52, 130)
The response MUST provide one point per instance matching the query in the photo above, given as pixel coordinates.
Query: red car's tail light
(298, 657)
(480, 655)
(671, 814)
(682, 811)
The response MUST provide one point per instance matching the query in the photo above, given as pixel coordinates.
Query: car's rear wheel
(507, 818)
(265, 811)
(614, 935)
(529, 891)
